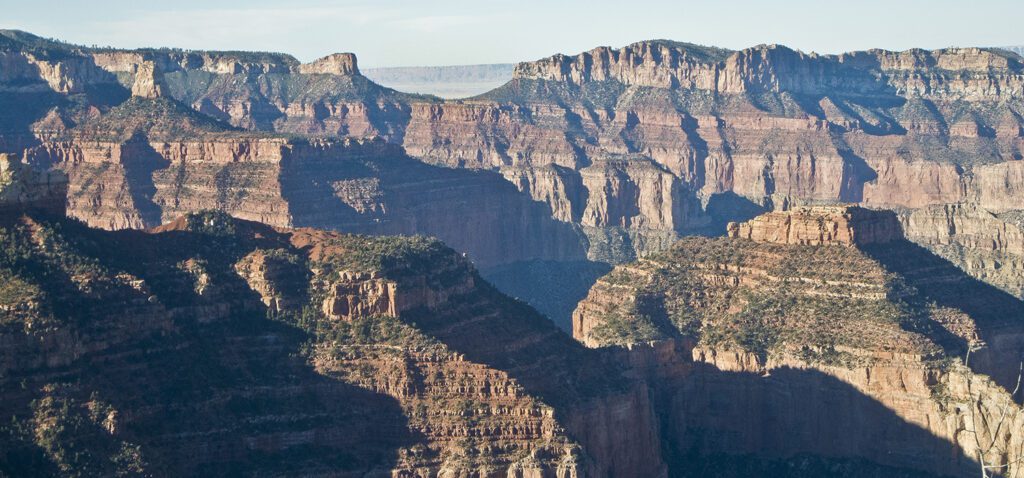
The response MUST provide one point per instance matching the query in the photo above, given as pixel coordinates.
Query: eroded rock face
(636, 146)
(434, 374)
(803, 325)
(820, 226)
(149, 81)
(767, 126)
(335, 64)
(668, 64)
(986, 245)
(23, 187)
(358, 186)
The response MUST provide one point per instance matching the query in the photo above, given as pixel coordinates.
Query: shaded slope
(226, 346)
(764, 331)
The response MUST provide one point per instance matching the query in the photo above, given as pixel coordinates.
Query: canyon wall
(23, 187)
(783, 322)
(215, 345)
(820, 226)
(357, 186)
(635, 146)
(738, 132)
(606, 156)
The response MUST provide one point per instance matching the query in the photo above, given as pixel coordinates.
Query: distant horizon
(402, 33)
(362, 67)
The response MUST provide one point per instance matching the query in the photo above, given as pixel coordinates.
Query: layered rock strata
(765, 127)
(351, 185)
(632, 147)
(23, 187)
(218, 346)
(986, 245)
(810, 327)
(732, 131)
(820, 226)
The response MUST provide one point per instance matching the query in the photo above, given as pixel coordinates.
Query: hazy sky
(450, 32)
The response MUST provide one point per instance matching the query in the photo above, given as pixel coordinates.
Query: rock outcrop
(335, 64)
(201, 347)
(23, 187)
(149, 81)
(820, 226)
(988, 246)
(804, 324)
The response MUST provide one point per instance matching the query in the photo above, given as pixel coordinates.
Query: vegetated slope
(220, 346)
(807, 296)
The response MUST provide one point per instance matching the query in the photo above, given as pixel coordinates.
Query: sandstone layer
(361, 186)
(820, 226)
(218, 346)
(635, 146)
(811, 326)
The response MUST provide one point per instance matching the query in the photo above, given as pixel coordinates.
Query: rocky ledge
(334, 64)
(219, 346)
(776, 68)
(823, 301)
(820, 226)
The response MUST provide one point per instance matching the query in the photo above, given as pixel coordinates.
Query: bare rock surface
(790, 312)
(820, 226)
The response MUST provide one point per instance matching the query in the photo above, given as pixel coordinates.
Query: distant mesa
(1018, 49)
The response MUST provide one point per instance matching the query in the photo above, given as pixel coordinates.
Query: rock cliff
(820, 226)
(698, 136)
(738, 131)
(984, 244)
(613, 153)
(148, 161)
(343, 64)
(810, 324)
(23, 187)
(219, 346)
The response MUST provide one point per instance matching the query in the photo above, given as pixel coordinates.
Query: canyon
(214, 345)
(301, 351)
(769, 260)
(625, 150)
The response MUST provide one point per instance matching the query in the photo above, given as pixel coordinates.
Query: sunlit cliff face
(248, 331)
